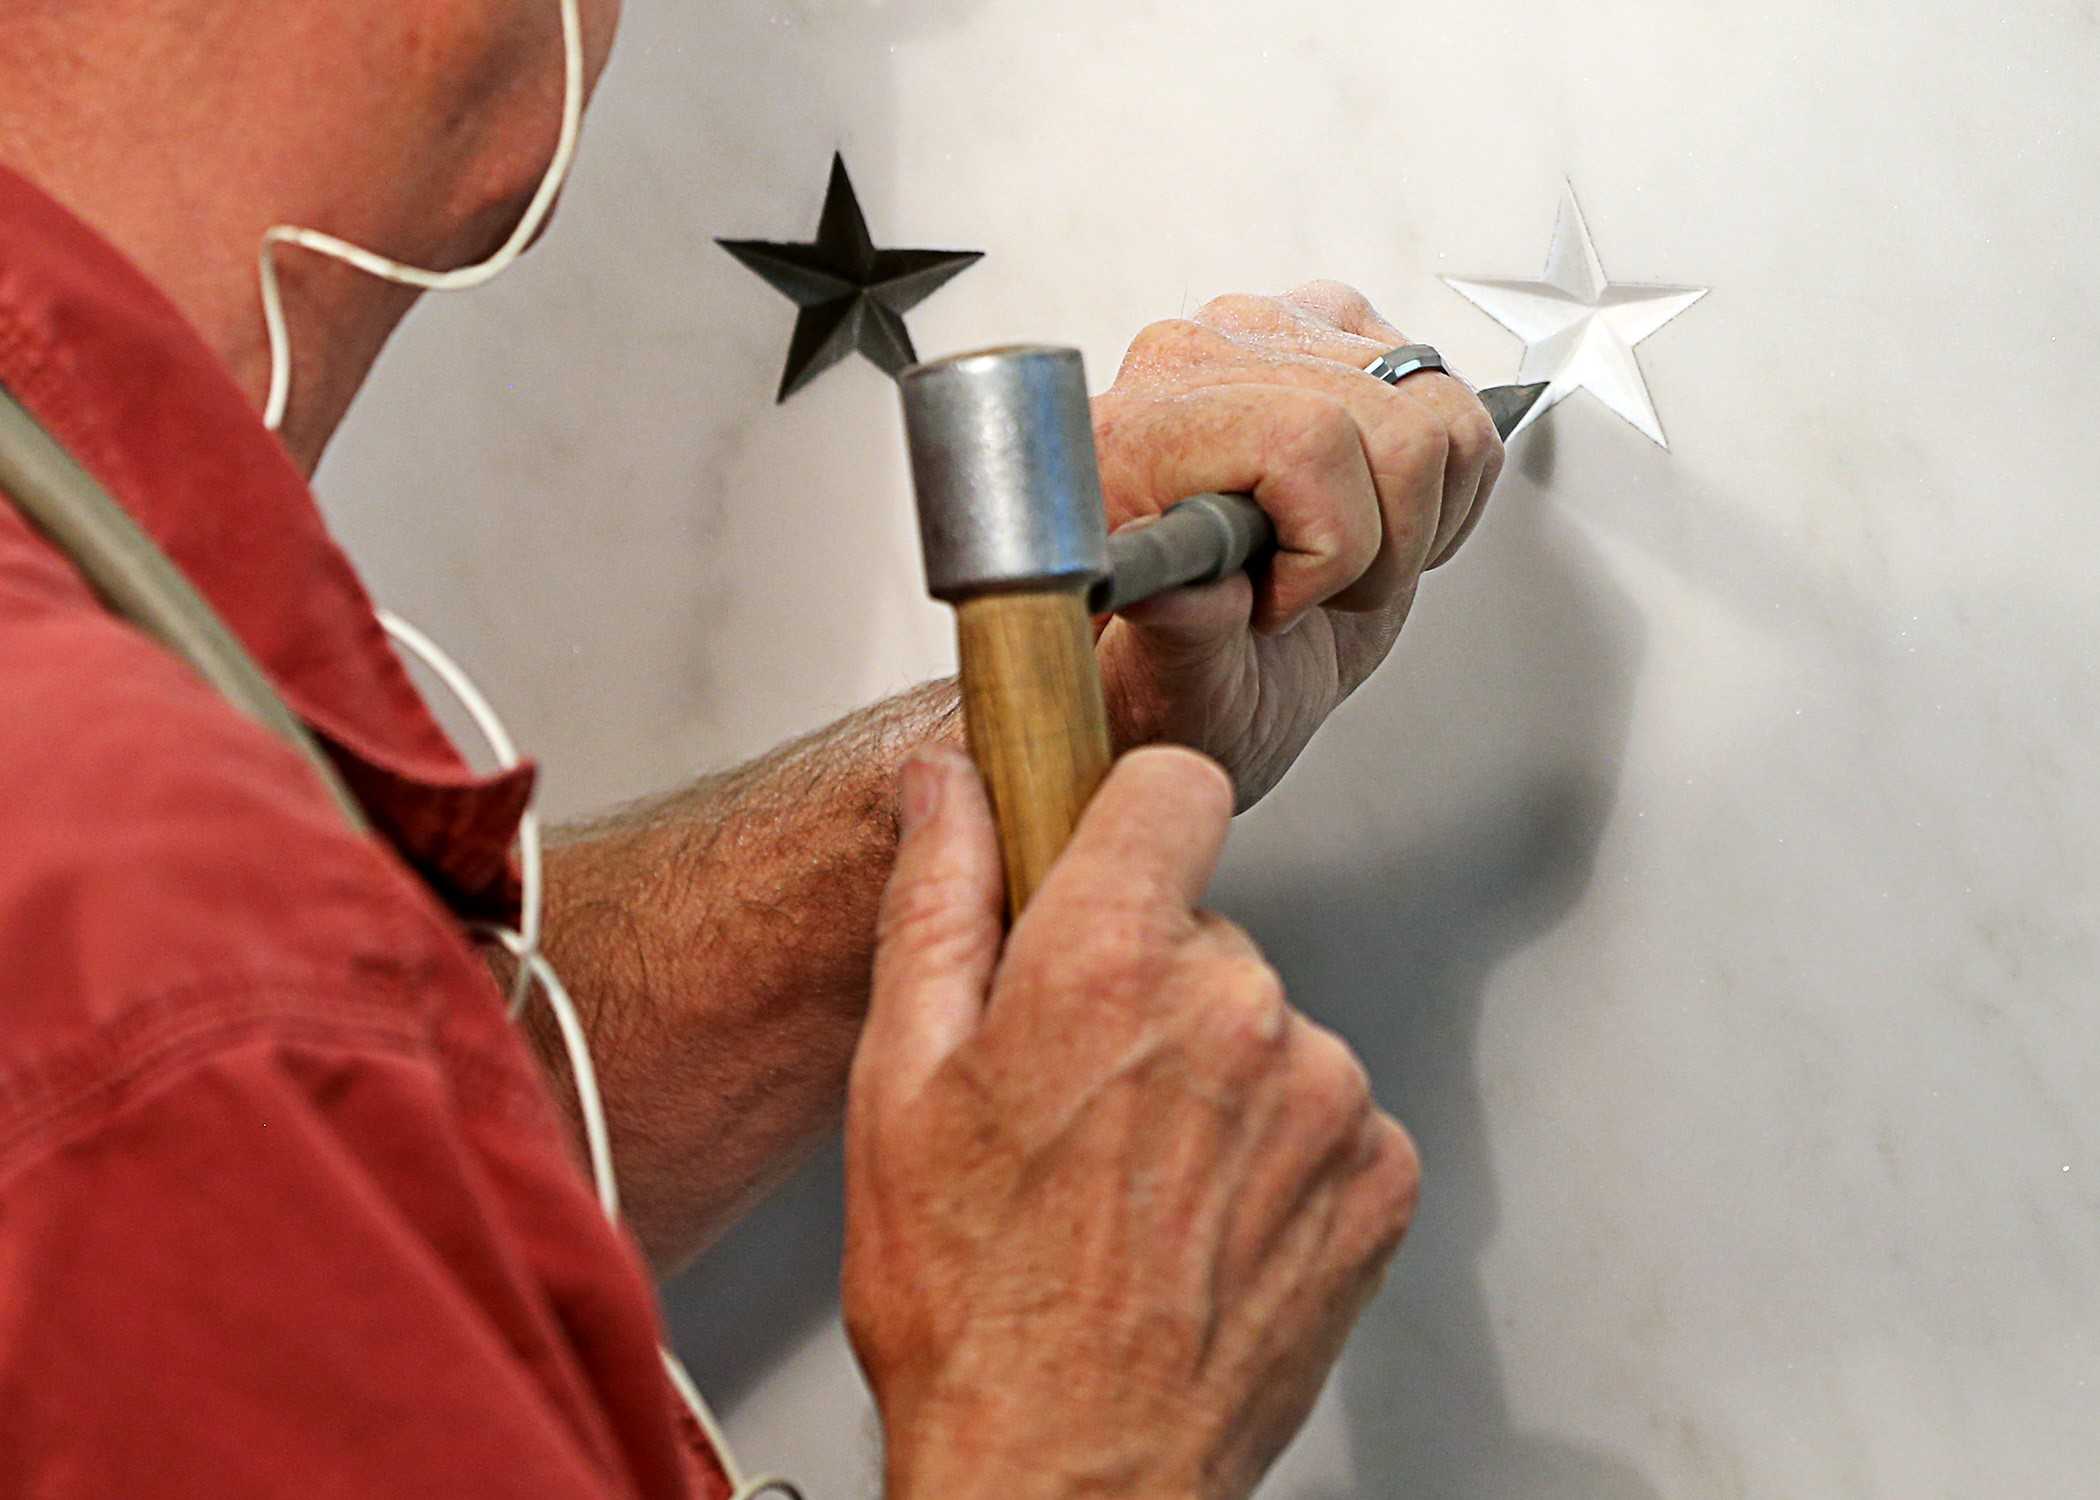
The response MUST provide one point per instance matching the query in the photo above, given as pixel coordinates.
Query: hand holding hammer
(1014, 1184)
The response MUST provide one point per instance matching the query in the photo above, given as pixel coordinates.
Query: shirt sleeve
(274, 1268)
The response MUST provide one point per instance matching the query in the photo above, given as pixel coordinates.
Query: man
(284, 1207)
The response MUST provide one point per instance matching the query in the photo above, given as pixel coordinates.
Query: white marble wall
(1711, 879)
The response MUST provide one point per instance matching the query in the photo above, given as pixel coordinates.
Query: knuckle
(1393, 1180)
(1470, 440)
(1242, 311)
(1246, 1004)
(1493, 456)
(1165, 333)
(1326, 442)
(1168, 342)
(1332, 1081)
(1347, 306)
(1410, 461)
(1477, 435)
(1424, 447)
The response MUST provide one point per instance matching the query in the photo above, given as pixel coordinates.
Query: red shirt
(285, 1206)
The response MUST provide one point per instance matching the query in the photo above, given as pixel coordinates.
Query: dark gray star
(852, 295)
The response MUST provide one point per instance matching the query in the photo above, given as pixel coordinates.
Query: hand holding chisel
(1011, 517)
(1208, 537)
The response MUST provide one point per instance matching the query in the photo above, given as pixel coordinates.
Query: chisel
(1208, 537)
(1011, 521)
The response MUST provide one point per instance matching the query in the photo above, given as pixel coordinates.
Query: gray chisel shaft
(1208, 537)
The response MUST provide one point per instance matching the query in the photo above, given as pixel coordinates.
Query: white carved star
(1578, 328)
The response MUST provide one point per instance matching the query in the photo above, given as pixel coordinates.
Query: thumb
(938, 937)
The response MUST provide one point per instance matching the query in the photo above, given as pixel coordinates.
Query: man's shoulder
(168, 868)
(112, 751)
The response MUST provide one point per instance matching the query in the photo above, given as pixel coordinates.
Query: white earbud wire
(524, 947)
(533, 967)
(466, 278)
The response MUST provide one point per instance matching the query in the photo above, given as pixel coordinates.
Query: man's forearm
(718, 942)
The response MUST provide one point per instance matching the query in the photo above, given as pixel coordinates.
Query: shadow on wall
(765, 1287)
(1397, 958)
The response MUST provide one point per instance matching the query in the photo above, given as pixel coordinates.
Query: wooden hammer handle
(1037, 725)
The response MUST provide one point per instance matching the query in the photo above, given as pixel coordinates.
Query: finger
(1309, 1131)
(1328, 320)
(1472, 449)
(1386, 1189)
(1470, 444)
(1490, 475)
(1235, 1012)
(1408, 445)
(1149, 840)
(938, 935)
(1344, 307)
(1295, 448)
(1422, 495)
(1473, 457)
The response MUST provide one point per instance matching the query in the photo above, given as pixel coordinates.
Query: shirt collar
(116, 374)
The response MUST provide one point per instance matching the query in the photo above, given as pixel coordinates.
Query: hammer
(1011, 521)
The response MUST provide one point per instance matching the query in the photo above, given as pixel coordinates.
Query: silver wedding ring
(1396, 365)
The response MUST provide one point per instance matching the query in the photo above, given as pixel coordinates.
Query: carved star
(1578, 328)
(852, 295)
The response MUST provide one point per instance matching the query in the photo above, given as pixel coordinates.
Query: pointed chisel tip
(1508, 405)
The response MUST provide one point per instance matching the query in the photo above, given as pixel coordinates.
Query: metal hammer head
(1002, 456)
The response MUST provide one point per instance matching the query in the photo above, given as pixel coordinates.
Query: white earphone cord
(534, 967)
(466, 278)
(524, 947)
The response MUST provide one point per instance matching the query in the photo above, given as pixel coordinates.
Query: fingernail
(919, 797)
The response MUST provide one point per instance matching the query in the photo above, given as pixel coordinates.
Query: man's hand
(718, 941)
(1368, 485)
(1112, 1205)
